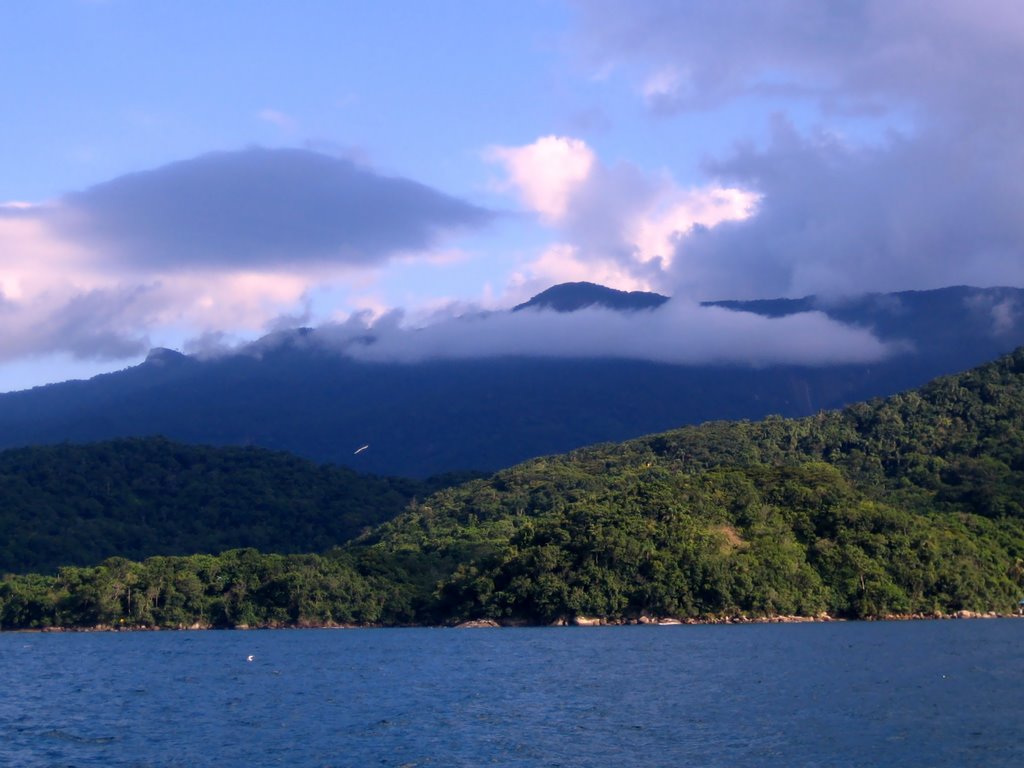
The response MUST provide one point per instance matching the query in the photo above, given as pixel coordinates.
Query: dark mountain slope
(435, 416)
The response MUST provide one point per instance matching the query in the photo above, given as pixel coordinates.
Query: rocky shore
(574, 621)
(663, 621)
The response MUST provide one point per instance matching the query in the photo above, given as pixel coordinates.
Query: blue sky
(195, 174)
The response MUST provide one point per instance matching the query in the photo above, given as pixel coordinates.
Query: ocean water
(939, 693)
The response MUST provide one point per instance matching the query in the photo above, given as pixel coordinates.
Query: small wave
(56, 733)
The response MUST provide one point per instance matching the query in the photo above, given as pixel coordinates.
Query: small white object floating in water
(250, 657)
(361, 448)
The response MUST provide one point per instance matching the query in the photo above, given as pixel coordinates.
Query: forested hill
(913, 504)
(78, 504)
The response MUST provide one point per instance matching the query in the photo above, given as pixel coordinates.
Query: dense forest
(78, 504)
(912, 504)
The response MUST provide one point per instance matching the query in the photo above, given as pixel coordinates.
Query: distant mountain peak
(163, 356)
(569, 297)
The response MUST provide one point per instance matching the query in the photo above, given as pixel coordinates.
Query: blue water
(947, 693)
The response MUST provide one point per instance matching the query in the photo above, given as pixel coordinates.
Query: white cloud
(656, 231)
(34, 261)
(1003, 312)
(278, 118)
(546, 172)
(664, 87)
(923, 188)
(677, 332)
(833, 218)
(616, 225)
(60, 297)
(57, 295)
(226, 243)
(563, 263)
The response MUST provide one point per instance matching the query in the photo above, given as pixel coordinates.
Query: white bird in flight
(361, 448)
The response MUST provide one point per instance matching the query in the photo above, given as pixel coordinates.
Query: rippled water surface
(947, 693)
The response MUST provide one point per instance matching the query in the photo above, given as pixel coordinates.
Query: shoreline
(576, 621)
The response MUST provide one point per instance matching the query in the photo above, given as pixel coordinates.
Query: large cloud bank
(678, 332)
(929, 196)
(259, 208)
(615, 224)
(222, 241)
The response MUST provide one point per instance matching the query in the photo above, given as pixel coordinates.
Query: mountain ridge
(441, 415)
